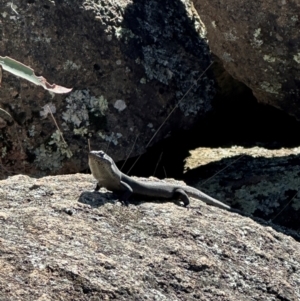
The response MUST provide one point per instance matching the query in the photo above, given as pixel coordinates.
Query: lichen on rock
(80, 105)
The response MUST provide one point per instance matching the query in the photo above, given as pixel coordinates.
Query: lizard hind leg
(180, 194)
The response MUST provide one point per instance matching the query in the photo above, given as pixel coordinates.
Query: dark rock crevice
(236, 119)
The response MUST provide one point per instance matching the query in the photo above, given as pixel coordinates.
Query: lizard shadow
(97, 199)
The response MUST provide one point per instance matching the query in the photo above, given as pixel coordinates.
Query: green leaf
(23, 71)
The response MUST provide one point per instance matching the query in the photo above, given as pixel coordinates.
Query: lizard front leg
(126, 193)
(97, 188)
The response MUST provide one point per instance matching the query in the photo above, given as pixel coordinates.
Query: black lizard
(109, 176)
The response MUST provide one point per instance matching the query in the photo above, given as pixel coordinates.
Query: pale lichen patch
(256, 41)
(61, 144)
(270, 87)
(269, 58)
(231, 35)
(81, 131)
(47, 109)
(296, 58)
(49, 159)
(71, 65)
(227, 57)
(112, 138)
(120, 105)
(80, 105)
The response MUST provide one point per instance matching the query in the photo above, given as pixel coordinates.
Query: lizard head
(102, 165)
(104, 170)
(100, 157)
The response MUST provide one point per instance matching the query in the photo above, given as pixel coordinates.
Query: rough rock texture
(258, 181)
(258, 42)
(59, 241)
(129, 63)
